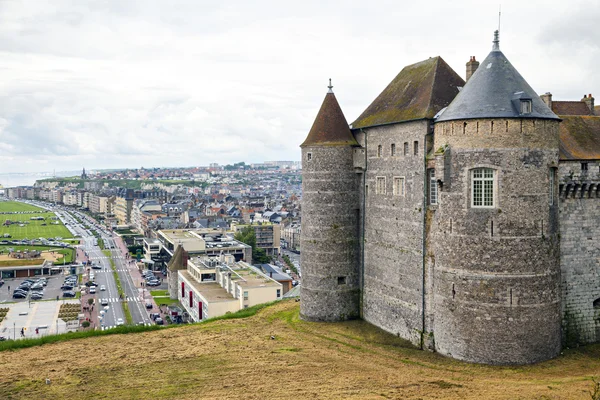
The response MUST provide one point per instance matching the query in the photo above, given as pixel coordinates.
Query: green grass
(128, 317)
(159, 293)
(67, 252)
(166, 300)
(8, 206)
(33, 229)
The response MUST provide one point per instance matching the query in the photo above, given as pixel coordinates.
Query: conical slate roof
(330, 127)
(495, 90)
(419, 91)
(176, 262)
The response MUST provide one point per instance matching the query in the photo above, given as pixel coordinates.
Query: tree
(247, 236)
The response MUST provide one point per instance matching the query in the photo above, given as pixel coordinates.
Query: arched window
(597, 303)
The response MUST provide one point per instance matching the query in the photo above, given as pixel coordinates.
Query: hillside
(237, 359)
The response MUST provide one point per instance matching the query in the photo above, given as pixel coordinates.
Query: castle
(463, 217)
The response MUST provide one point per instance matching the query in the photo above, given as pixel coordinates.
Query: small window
(393, 149)
(482, 188)
(584, 166)
(405, 148)
(525, 106)
(380, 185)
(278, 293)
(398, 186)
(416, 148)
(433, 188)
(379, 151)
(309, 156)
(341, 280)
(596, 303)
(245, 295)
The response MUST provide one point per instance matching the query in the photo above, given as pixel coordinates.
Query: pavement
(42, 315)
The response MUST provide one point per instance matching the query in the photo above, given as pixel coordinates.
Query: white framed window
(379, 151)
(525, 106)
(433, 188)
(551, 185)
(380, 188)
(482, 188)
(398, 189)
(393, 149)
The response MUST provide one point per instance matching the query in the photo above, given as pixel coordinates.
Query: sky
(154, 83)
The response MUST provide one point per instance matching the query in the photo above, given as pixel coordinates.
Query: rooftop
(211, 291)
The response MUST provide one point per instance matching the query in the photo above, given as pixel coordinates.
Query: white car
(92, 290)
(120, 321)
(102, 288)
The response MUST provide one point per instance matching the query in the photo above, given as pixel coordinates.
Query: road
(134, 295)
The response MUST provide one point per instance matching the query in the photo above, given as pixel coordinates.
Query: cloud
(128, 83)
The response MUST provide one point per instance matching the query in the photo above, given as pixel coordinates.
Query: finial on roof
(330, 87)
(496, 46)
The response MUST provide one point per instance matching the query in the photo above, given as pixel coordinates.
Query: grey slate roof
(495, 91)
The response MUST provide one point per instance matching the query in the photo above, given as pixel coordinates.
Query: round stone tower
(330, 216)
(495, 228)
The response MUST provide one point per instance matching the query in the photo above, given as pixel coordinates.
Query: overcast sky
(118, 83)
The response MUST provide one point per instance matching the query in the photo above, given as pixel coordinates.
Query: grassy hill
(238, 359)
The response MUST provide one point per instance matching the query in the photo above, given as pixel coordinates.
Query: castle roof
(571, 108)
(177, 262)
(419, 91)
(579, 137)
(495, 90)
(330, 127)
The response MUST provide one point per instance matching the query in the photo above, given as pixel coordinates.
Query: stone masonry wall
(496, 269)
(580, 252)
(329, 236)
(393, 231)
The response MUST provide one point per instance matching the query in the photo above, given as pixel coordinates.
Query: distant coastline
(8, 180)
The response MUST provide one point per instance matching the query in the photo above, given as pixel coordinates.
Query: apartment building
(268, 236)
(209, 287)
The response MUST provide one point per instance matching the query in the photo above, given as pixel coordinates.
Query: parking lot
(50, 292)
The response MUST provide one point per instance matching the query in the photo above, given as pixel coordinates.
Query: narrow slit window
(393, 149)
(341, 280)
(405, 148)
(584, 166)
(379, 151)
(309, 156)
(416, 148)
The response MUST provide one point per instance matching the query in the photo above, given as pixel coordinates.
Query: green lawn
(159, 293)
(166, 300)
(69, 253)
(33, 229)
(7, 206)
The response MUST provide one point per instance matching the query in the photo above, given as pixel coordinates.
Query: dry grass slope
(237, 359)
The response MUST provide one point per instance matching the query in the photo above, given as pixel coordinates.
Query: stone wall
(580, 252)
(496, 269)
(329, 235)
(393, 229)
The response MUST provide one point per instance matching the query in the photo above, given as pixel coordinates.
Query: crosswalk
(105, 328)
(127, 298)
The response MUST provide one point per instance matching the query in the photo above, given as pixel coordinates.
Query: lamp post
(14, 331)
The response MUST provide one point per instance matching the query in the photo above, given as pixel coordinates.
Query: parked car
(66, 287)
(159, 321)
(92, 290)
(120, 321)
(154, 315)
(91, 283)
(19, 295)
(36, 296)
(153, 283)
(69, 293)
(149, 304)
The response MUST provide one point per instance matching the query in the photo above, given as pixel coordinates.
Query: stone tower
(330, 219)
(495, 225)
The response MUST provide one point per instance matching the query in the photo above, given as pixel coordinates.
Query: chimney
(270, 274)
(547, 98)
(471, 67)
(589, 101)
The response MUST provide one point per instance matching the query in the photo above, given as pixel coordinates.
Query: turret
(495, 227)
(330, 209)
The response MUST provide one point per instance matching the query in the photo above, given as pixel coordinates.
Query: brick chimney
(471, 67)
(589, 101)
(547, 98)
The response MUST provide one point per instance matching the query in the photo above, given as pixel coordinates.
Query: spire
(496, 46)
(330, 127)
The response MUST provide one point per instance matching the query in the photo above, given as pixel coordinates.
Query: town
(151, 246)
